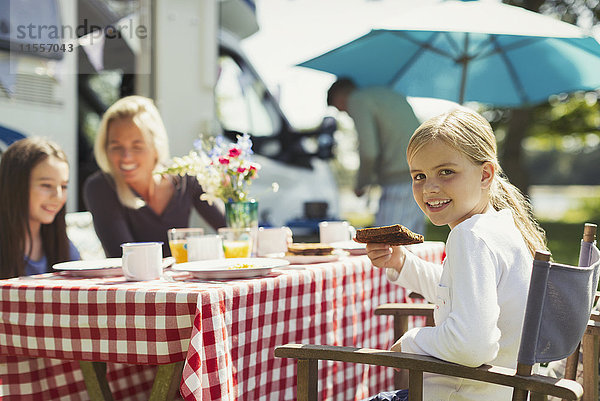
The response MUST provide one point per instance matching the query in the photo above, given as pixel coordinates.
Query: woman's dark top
(116, 224)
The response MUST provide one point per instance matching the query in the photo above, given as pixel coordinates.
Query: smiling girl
(481, 289)
(34, 176)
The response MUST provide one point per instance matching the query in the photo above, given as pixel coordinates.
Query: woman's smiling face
(448, 186)
(129, 153)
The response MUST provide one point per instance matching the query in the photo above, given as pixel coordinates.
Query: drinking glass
(205, 247)
(237, 242)
(178, 238)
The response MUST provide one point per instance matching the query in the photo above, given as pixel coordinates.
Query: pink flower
(251, 172)
(241, 170)
(223, 160)
(234, 152)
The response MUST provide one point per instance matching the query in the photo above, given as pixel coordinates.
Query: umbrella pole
(464, 60)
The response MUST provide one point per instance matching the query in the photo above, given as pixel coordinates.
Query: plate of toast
(308, 252)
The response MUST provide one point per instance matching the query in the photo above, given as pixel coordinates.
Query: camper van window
(240, 101)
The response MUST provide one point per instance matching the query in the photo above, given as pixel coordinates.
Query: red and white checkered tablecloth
(237, 329)
(48, 322)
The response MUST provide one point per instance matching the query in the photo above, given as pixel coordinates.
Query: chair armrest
(401, 312)
(403, 309)
(561, 388)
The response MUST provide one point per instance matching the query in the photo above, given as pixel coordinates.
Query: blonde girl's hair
(471, 134)
(144, 114)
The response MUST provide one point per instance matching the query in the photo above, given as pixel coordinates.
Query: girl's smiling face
(47, 190)
(448, 186)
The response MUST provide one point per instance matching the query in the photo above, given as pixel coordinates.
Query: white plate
(99, 268)
(306, 259)
(355, 248)
(92, 268)
(225, 268)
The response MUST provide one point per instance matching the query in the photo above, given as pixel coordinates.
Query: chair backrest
(80, 229)
(558, 308)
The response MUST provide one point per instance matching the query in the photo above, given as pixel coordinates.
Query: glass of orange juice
(237, 242)
(178, 238)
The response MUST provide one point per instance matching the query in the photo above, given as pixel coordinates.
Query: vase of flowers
(241, 214)
(225, 171)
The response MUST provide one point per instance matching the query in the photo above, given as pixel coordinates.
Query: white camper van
(186, 55)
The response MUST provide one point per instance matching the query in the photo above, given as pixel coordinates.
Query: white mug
(205, 247)
(335, 231)
(142, 260)
(273, 240)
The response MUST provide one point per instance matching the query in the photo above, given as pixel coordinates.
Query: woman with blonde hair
(129, 201)
(480, 291)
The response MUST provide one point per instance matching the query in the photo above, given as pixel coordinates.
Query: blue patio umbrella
(484, 52)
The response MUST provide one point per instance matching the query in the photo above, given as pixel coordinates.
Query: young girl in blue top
(481, 289)
(34, 174)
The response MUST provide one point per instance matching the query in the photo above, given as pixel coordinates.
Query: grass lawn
(563, 239)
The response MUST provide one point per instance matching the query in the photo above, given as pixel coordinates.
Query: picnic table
(209, 339)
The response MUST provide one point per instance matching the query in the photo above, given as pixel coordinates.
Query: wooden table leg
(165, 386)
(167, 381)
(94, 374)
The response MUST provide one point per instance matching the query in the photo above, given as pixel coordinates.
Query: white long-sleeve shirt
(480, 294)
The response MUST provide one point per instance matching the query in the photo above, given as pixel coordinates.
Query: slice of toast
(395, 234)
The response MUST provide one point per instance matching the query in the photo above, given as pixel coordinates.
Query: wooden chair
(545, 273)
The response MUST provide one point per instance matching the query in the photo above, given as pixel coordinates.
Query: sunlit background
(292, 31)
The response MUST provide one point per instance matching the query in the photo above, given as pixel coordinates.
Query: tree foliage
(584, 13)
(575, 115)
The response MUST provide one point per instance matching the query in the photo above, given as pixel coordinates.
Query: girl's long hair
(471, 134)
(16, 165)
(142, 112)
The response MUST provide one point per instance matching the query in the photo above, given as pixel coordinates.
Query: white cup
(273, 240)
(142, 260)
(335, 231)
(205, 247)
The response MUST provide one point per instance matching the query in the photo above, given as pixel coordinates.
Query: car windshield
(241, 101)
